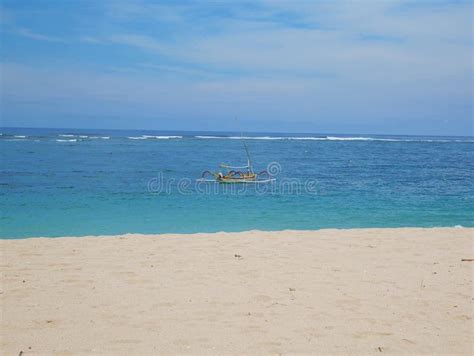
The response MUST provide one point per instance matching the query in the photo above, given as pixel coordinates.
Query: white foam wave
(146, 137)
(281, 138)
(328, 138)
(242, 137)
(336, 138)
(208, 137)
(66, 135)
(71, 140)
(83, 136)
(19, 136)
(306, 138)
(99, 137)
(263, 138)
(254, 138)
(163, 137)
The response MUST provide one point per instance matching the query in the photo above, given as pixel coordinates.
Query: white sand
(332, 291)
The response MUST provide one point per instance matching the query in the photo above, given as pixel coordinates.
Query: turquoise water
(91, 182)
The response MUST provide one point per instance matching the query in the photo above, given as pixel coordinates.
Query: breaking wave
(330, 138)
(146, 137)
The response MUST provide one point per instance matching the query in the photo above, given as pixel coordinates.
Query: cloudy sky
(396, 67)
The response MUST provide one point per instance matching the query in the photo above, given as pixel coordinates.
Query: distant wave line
(328, 138)
(145, 137)
(70, 137)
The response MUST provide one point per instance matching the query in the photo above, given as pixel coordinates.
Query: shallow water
(91, 182)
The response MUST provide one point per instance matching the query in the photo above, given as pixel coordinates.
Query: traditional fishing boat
(237, 174)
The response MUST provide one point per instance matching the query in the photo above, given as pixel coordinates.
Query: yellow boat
(240, 174)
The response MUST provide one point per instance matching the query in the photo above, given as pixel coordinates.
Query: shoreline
(358, 291)
(291, 231)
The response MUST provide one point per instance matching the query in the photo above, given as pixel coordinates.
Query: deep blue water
(57, 185)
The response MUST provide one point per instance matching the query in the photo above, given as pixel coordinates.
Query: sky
(382, 67)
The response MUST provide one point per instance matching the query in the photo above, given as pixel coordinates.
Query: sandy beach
(360, 291)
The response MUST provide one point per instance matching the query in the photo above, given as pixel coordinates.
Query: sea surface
(63, 182)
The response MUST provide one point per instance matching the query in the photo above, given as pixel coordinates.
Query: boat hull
(237, 181)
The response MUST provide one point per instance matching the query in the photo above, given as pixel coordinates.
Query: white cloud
(314, 60)
(334, 39)
(90, 39)
(36, 36)
(142, 42)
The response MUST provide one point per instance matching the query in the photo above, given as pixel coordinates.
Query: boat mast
(249, 161)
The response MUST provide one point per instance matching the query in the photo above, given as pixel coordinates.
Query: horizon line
(237, 131)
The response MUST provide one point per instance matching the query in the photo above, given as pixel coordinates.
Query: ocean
(64, 182)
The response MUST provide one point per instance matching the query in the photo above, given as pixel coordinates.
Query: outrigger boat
(237, 174)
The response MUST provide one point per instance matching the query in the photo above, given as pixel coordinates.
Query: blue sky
(290, 66)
